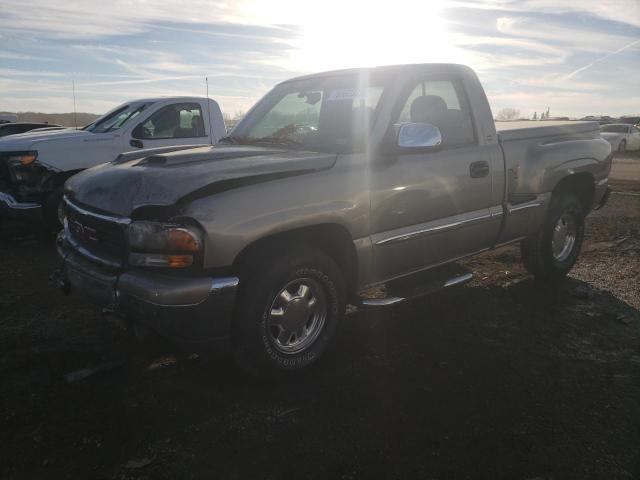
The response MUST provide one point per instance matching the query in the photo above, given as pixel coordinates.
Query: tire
(549, 260)
(52, 210)
(622, 148)
(276, 334)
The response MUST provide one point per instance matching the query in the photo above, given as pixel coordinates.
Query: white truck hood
(26, 141)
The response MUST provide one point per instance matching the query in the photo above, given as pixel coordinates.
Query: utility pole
(206, 80)
(75, 115)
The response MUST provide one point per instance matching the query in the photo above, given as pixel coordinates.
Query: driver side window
(180, 120)
(441, 103)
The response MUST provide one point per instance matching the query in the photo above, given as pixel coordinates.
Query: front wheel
(288, 310)
(552, 252)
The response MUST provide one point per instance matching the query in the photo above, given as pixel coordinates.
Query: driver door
(429, 207)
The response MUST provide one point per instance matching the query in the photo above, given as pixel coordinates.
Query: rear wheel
(288, 310)
(553, 251)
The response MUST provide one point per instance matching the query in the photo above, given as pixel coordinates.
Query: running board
(415, 292)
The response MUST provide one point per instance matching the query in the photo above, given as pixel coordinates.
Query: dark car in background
(630, 119)
(23, 127)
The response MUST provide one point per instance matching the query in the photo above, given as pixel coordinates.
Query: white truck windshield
(116, 118)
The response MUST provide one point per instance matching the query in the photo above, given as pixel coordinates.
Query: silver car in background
(621, 136)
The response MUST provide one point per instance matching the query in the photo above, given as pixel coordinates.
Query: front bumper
(189, 310)
(12, 208)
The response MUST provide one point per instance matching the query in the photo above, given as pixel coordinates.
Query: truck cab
(34, 166)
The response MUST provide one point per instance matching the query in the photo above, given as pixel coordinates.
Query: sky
(575, 57)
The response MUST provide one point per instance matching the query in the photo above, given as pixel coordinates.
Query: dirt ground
(501, 378)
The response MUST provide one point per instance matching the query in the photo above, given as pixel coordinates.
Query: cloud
(522, 49)
(22, 56)
(139, 81)
(557, 83)
(600, 59)
(492, 53)
(30, 73)
(623, 11)
(52, 104)
(577, 39)
(90, 19)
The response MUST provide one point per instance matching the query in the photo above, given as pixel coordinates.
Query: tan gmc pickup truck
(332, 183)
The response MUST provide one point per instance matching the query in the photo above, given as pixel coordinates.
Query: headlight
(154, 244)
(22, 158)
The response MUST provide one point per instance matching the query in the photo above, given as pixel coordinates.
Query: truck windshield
(327, 114)
(116, 118)
(614, 128)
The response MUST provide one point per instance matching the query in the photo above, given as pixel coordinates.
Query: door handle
(479, 169)
(136, 143)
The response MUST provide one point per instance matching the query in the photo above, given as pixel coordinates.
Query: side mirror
(138, 132)
(419, 136)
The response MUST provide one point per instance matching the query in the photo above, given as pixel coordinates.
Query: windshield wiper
(233, 139)
(285, 142)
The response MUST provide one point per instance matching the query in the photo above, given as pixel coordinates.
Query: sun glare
(363, 33)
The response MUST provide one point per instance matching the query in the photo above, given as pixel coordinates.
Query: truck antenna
(75, 115)
(206, 81)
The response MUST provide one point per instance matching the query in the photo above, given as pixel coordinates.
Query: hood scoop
(197, 155)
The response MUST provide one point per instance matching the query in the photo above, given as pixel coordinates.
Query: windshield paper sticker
(345, 94)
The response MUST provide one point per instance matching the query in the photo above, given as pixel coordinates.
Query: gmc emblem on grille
(82, 231)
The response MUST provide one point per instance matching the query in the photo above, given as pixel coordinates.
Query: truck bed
(521, 130)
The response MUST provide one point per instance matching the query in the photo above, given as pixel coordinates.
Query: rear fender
(547, 164)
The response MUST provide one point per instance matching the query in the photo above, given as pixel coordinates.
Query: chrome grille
(100, 237)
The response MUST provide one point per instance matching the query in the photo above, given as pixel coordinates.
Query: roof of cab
(162, 99)
(435, 67)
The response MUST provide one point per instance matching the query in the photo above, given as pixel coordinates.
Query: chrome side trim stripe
(540, 201)
(107, 218)
(524, 207)
(437, 228)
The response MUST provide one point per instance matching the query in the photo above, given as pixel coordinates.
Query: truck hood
(179, 177)
(28, 140)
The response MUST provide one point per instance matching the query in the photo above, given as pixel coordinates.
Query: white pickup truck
(34, 166)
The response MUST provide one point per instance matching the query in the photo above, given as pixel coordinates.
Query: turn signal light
(28, 159)
(23, 158)
(179, 261)
(160, 260)
(182, 240)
